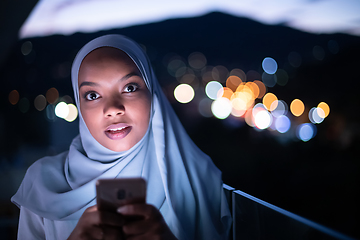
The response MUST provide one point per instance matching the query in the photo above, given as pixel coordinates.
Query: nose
(113, 108)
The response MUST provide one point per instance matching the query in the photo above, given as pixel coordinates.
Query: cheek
(89, 118)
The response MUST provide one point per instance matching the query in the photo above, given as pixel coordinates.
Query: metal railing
(254, 218)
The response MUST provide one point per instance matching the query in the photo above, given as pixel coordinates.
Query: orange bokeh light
(233, 82)
(262, 88)
(297, 107)
(225, 92)
(14, 97)
(325, 108)
(268, 101)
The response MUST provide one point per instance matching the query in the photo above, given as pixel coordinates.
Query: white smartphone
(114, 193)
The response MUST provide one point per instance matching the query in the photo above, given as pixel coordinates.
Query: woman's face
(114, 100)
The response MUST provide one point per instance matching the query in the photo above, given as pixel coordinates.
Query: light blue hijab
(178, 173)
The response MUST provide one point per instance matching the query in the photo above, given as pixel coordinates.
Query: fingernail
(121, 209)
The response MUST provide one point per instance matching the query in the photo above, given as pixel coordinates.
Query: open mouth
(117, 131)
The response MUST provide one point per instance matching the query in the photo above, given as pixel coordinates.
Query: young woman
(127, 129)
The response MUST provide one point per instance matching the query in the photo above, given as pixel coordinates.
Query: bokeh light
(220, 73)
(318, 53)
(61, 110)
(225, 92)
(269, 80)
(26, 48)
(297, 107)
(73, 113)
(197, 60)
(314, 115)
(268, 101)
(52, 95)
(233, 82)
(306, 131)
(14, 97)
(239, 73)
(205, 107)
(263, 119)
(325, 107)
(50, 113)
(212, 89)
(174, 65)
(282, 124)
(40, 102)
(262, 88)
(279, 108)
(269, 65)
(221, 108)
(254, 89)
(184, 93)
(282, 77)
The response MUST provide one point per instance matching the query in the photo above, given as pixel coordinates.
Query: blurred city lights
(220, 73)
(225, 92)
(306, 131)
(318, 53)
(52, 95)
(282, 77)
(221, 108)
(254, 88)
(269, 65)
(279, 108)
(233, 82)
(26, 48)
(314, 116)
(212, 88)
(268, 101)
(239, 73)
(262, 88)
(50, 113)
(205, 107)
(175, 64)
(73, 113)
(297, 107)
(282, 124)
(269, 80)
(14, 97)
(184, 93)
(40, 102)
(325, 107)
(197, 60)
(263, 119)
(61, 110)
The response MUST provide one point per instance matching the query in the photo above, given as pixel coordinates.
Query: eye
(90, 96)
(132, 87)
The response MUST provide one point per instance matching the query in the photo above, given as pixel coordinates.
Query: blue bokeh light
(269, 65)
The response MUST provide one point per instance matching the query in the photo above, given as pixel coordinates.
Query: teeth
(117, 129)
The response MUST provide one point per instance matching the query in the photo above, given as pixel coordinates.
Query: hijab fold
(61, 187)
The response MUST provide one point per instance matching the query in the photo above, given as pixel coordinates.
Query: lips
(117, 131)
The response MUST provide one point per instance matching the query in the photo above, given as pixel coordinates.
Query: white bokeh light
(221, 108)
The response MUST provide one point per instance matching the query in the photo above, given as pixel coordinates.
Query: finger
(110, 219)
(145, 210)
(95, 233)
(112, 233)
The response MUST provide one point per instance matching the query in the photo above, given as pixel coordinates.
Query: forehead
(103, 54)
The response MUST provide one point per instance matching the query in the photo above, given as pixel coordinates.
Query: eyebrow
(121, 79)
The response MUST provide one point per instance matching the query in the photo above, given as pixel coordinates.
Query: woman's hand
(94, 224)
(150, 225)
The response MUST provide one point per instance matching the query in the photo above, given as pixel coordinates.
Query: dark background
(318, 179)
